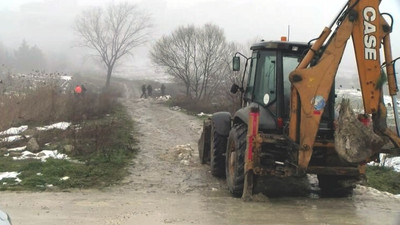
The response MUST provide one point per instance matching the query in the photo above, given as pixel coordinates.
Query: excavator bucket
(355, 141)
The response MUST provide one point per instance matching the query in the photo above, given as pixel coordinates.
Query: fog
(48, 25)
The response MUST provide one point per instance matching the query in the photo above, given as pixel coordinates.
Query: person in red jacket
(78, 90)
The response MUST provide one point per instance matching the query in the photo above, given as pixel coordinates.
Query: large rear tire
(217, 153)
(235, 159)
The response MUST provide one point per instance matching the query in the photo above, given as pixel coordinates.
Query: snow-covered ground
(16, 133)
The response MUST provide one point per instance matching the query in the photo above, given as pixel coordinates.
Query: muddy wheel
(217, 153)
(337, 186)
(235, 159)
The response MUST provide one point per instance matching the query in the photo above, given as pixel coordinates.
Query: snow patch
(176, 108)
(66, 78)
(64, 178)
(384, 161)
(163, 98)
(13, 175)
(348, 92)
(12, 138)
(60, 125)
(18, 149)
(203, 114)
(42, 156)
(392, 162)
(14, 130)
(362, 190)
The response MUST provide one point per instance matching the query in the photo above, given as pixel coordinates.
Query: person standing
(2, 89)
(143, 91)
(83, 89)
(162, 89)
(149, 90)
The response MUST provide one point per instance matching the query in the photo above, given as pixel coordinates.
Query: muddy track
(163, 133)
(167, 185)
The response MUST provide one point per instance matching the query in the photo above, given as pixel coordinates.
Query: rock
(30, 132)
(32, 145)
(3, 150)
(68, 148)
(354, 141)
(185, 162)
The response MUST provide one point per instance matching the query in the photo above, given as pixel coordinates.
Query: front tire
(204, 143)
(234, 163)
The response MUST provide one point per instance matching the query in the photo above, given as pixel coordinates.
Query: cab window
(290, 63)
(251, 78)
(265, 83)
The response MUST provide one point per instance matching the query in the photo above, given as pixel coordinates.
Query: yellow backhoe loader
(288, 126)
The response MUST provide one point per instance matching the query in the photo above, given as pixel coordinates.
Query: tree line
(198, 57)
(23, 59)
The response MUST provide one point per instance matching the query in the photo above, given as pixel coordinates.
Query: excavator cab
(268, 86)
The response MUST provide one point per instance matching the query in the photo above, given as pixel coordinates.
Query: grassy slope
(383, 179)
(104, 147)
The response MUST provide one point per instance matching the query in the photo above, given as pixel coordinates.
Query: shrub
(46, 105)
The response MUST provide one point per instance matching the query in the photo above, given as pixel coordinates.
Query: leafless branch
(112, 32)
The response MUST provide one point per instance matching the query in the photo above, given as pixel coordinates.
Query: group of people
(149, 89)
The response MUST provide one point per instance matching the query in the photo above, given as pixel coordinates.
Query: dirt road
(167, 185)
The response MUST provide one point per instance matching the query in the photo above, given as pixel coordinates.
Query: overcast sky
(48, 23)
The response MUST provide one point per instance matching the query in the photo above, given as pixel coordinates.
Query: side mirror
(234, 88)
(236, 63)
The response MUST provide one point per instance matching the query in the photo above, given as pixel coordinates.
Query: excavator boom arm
(311, 85)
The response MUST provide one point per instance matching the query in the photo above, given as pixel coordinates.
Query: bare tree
(194, 56)
(28, 58)
(214, 50)
(174, 54)
(112, 32)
